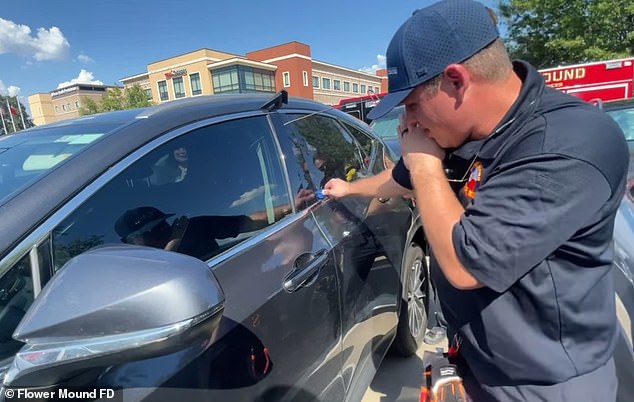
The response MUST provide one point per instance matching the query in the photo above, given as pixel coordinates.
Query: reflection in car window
(365, 143)
(324, 150)
(16, 295)
(385, 126)
(23, 159)
(198, 194)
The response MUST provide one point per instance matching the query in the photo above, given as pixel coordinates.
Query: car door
(359, 229)
(219, 193)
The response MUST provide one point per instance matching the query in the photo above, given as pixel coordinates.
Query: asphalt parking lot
(399, 379)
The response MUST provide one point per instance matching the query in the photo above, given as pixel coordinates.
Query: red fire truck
(360, 106)
(604, 80)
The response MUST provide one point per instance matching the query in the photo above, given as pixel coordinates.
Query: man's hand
(179, 227)
(303, 197)
(417, 147)
(337, 188)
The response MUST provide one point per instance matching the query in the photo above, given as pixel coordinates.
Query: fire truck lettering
(563, 75)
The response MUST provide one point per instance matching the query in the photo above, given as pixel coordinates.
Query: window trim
(191, 86)
(182, 81)
(305, 78)
(286, 79)
(167, 90)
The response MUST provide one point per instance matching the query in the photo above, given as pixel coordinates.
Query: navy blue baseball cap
(434, 37)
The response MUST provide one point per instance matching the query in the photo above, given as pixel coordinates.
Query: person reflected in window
(196, 236)
(330, 168)
(170, 168)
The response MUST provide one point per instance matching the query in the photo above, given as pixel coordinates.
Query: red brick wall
(292, 64)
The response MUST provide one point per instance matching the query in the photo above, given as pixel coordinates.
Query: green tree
(548, 33)
(88, 106)
(136, 97)
(116, 99)
(6, 114)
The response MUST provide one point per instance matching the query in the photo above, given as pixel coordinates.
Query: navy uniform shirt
(540, 197)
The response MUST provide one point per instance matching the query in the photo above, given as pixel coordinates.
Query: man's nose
(410, 119)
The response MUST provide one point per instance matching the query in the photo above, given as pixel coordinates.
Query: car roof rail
(598, 102)
(276, 102)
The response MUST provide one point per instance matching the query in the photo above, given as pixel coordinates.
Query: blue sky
(47, 43)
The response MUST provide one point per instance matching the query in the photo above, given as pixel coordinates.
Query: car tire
(412, 322)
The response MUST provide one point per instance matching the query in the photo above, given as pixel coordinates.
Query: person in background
(520, 215)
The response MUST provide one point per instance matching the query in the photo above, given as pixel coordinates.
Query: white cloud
(84, 77)
(13, 90)
(250, 195)
(46, 45)
(85, 59)
(380, 63)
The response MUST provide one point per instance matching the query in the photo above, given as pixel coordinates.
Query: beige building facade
(288, 66)
(63, 103)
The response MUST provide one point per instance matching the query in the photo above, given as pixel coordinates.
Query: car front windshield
(26, 157)
(385, 126)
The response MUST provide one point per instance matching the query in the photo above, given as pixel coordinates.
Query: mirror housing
(115, 304)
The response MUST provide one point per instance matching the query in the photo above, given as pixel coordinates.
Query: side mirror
(115, 304)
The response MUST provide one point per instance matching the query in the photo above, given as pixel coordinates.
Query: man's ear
(457, 79)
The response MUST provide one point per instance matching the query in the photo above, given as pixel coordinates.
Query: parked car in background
(623, 113)
(623, 272)
(180, 251)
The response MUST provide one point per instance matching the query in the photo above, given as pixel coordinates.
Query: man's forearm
(379, 185)
(440, 210)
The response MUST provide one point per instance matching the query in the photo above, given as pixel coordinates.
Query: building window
(362, 88)
(286, 76)
(305, 78)
(325, 83)
(76, 104)
(355, 88)
(179, 87)
(336, 85)
(315, 81)
(194, 80)
(376, 90)
(162, 86)
(56, 109)
(148, 94)
(346, 86)
(238, 79)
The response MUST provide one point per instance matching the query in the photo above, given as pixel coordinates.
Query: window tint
(198, 194)
(16, 295)
(365, 142)
(323, 150)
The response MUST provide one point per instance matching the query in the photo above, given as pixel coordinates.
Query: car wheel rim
(416, 299)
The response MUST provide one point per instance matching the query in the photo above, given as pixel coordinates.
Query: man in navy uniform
(519, 216)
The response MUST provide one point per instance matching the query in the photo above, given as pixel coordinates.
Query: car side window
(198, 194)
(16, 295)
(324, 150)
